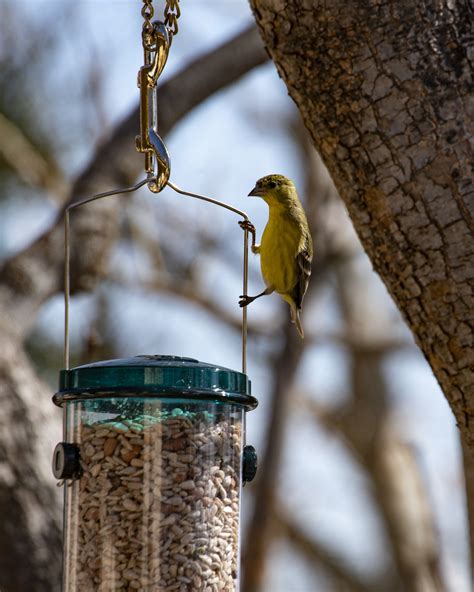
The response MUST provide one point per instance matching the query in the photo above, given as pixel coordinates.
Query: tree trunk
(30, 504)
(384, 90)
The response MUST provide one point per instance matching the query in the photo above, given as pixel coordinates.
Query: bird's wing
(303, 260)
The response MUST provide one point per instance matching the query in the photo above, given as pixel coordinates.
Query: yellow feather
(279, 246)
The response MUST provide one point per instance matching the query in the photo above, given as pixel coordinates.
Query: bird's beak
(256, 191)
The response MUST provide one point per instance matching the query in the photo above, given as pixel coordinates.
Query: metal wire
(245, 264)
(67, 255)
(245, 282)
(209, 199)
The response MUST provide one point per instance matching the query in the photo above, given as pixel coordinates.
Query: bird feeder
(153, 457)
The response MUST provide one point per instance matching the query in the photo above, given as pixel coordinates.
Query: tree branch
(397, 484)
(31, 277)
(194, 294)
(26, 160)
(259, 532)
(30, 538)
(317, 555)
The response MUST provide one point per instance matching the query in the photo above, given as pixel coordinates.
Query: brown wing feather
(303, 260)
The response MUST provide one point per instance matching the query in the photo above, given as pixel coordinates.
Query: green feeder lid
(155, 376)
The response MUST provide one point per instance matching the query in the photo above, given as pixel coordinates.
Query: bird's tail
(295, 318)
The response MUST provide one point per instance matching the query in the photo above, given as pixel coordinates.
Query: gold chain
(147, 29)
(172, 14)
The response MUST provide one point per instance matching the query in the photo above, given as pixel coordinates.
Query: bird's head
(274, 189)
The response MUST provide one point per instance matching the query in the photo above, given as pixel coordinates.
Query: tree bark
(30, 504)
(385, 90)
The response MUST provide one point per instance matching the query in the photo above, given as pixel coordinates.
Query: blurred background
(360, 483)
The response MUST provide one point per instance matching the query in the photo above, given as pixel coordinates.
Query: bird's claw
(247, 225)
(245, 300)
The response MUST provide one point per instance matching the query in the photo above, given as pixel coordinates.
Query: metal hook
(162, 173)
(157, 160)
(161, 49)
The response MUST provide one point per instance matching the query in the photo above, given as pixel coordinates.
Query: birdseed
(157, 505)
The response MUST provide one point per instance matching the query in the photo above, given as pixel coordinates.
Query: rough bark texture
(30, 504)
(385, 90)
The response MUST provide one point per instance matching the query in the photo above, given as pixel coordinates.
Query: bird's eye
(272, 184)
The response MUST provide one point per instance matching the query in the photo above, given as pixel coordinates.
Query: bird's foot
(247, 225)
(245, 300)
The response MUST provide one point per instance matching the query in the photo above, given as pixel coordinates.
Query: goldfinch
(286, 250)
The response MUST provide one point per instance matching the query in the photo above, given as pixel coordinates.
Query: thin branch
(384, 346)
(26, 160)
(187, 285)
(397, 487)
(318, 555)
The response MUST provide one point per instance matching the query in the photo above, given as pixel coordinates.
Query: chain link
(172, 14)
(147, 29)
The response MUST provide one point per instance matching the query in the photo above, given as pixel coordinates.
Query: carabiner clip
(157, 160)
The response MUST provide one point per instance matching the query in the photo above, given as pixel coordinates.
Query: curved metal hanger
(147, 180)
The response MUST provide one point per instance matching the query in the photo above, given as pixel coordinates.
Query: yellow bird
(286, 250)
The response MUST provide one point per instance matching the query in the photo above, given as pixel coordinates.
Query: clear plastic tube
(157, 505)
